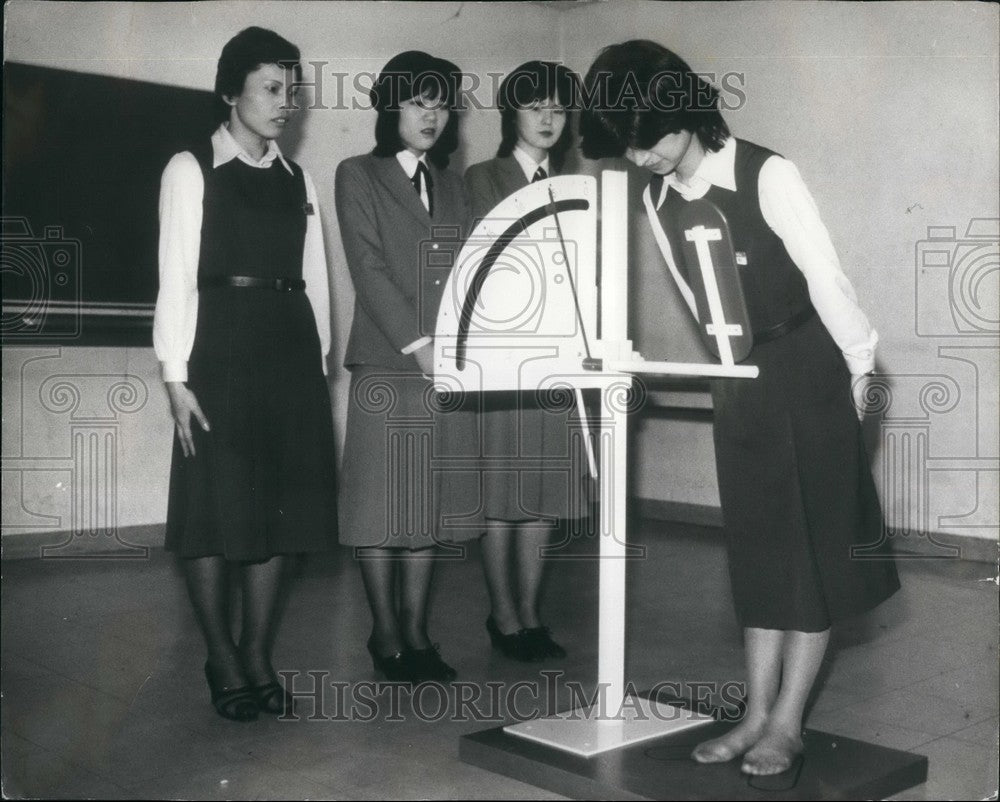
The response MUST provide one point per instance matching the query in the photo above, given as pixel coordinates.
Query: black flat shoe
(539, 640)
(514, 646)
(395, 668)
(429, 667)
(273, 698)
(235, 704)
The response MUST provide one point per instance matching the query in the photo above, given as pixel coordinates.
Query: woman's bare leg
(763, 659)
(781, 740)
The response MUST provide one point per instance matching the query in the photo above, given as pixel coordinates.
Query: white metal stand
(618, 721)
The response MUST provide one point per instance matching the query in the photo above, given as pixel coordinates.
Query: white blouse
(181, 189)
(791, 212)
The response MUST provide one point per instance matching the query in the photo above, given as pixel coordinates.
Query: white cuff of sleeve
(860, 366)
(416, 345)
(175, 371)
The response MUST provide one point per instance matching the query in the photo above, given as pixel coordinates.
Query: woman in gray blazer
(522, 504)
(402, 218)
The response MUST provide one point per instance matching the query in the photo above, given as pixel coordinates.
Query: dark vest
(253, 219)
(774, 288)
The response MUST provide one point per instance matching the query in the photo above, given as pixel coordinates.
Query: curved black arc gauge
(516, 228)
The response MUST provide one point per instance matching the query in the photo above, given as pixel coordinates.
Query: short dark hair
(404, 77)
(536, 82)
(246, 52)
(637, 92)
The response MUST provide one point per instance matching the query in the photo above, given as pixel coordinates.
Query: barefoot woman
(794, 479)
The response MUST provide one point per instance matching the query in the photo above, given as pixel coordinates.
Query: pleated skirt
(402, 450)
(803, 522)
(532, 458)
(262, 480)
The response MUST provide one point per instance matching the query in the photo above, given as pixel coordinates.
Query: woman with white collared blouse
(242, 328)
(402, 218)
(523, 497)
(794, 480)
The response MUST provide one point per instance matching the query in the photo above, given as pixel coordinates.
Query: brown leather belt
(785, 327)
(279, 284)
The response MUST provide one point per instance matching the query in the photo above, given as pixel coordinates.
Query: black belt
(785, 327)
(280, 284)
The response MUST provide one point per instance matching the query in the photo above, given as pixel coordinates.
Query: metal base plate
(832, 767)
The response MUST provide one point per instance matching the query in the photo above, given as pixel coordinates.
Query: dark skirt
(796, 489)
(402, 448)
(262, 481)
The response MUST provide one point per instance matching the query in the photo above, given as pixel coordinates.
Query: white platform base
(586, 732)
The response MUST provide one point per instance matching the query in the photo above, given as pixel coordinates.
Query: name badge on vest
(741, 258)
(308, 208)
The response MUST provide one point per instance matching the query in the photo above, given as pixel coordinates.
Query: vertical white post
(614, 258)
(614, 333)
(611, 573)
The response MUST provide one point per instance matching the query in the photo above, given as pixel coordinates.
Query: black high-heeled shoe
(539, 641)
(429, 667)
(235, 704)
(515, 646)
(272, 698)
(395, 667)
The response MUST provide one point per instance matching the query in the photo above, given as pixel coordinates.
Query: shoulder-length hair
(536, 82)
(244, 53)
(406, 76)
(637, 92)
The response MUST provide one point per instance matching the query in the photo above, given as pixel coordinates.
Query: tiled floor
(103, 694)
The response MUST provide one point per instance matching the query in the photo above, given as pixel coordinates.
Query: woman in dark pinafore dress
(242, 328)
(794, 479)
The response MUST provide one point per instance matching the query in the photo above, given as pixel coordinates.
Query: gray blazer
(399, 256)
(491, 181)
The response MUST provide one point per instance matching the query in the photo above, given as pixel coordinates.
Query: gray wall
(889, 110)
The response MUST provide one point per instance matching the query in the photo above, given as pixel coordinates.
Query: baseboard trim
(906, 544)
(134, 542)
(128, 542)
(682, 512)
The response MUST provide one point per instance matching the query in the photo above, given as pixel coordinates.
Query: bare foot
(773, 753)
(731, 745)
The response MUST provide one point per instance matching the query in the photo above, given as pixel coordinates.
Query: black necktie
(540, 175)
(423, 173)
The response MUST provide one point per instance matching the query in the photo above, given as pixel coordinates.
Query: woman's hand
(859, 393)
(183, 405)
(425, 359)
